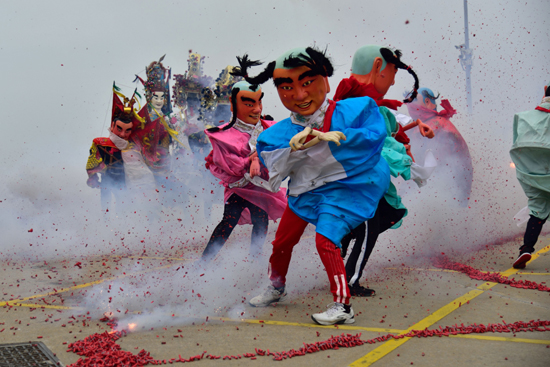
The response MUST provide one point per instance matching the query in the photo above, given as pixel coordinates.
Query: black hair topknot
(394, 57)
(245, 63)
(315, 60)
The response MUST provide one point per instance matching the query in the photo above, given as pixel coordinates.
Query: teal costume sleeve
(531, 154)
(398, 160)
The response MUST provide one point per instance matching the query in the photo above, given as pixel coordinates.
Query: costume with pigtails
(334, 187)
(390, 210)
(233, 150)
(449, 147)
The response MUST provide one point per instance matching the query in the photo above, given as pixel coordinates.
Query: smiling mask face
(157, 100)
(249, 106)
(300, 90)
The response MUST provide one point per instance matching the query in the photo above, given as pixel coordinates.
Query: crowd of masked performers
(339, 155)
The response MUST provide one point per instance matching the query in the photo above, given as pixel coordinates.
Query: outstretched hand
(297, 141)
(333, 136)
(425, 130)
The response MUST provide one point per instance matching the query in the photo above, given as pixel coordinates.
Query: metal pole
(468, 60)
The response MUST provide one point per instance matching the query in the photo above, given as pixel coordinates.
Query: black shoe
(359, 291)
(522, 260)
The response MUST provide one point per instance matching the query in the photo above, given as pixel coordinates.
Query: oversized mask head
(122, 126)
(302, 81)
(158, 100)
(377, 65)
(300, 76)
(247, 102)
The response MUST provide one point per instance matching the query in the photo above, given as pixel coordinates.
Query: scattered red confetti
(78, 264)
(489, 277)
(30, 230)
(103, 349)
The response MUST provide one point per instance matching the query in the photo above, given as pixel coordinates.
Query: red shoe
(521, 261)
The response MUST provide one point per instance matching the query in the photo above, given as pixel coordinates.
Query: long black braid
(234, 93)
(389, 56)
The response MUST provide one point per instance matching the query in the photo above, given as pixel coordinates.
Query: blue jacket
(335, 188)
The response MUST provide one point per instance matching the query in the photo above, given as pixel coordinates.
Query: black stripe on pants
(231, 215)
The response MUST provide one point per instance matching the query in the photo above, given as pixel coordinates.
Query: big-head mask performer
(374, 69)
(373, 72)
(234, 161)
(336, 179)
(105, 158)
(455, 165)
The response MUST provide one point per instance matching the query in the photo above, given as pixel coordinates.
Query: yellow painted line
(285, 323)
(32, 305)
(392, 344)
(85, 285)
(62, 290)
(538, 253)
(154, 258)
(502, 339)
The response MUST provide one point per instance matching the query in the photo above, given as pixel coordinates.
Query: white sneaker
(335, 314)
(271, 295)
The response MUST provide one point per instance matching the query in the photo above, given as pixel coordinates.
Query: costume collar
(253, 130)
(315, 120)
(544, 105)
(243, 127)
(120, 143)
(351, 87)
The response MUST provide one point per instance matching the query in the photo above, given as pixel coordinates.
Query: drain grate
(32, 354)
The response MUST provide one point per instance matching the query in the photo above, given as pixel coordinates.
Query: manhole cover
(32, 354)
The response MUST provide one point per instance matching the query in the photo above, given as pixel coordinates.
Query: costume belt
(241, 183)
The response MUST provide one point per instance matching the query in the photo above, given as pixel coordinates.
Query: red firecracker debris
(489, 277)
(102, 349)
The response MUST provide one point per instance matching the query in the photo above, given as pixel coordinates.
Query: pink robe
(448, 145)
(229, 161)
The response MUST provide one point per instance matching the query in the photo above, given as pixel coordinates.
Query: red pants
(288, 235)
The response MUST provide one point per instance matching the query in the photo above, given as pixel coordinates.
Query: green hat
(364, 58)
(295, 52)
(244, 85)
